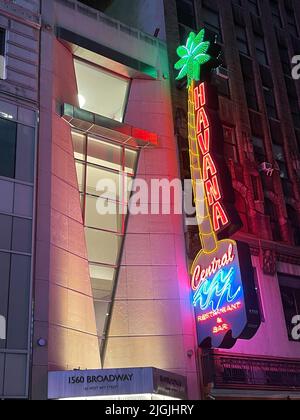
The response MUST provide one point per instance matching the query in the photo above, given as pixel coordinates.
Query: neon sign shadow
(215, 293)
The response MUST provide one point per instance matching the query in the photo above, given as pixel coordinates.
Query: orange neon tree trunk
(207, 235)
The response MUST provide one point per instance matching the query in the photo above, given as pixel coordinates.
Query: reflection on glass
(103, 247)
(100, 91)
(95, 217)
(130, 161)
(80, 170)
(104, 183)
(102, 314)
(102, 281)
(104, 154)
(79, 143)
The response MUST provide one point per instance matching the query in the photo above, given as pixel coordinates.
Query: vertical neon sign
(224, 295)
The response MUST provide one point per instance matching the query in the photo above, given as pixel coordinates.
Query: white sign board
(114, 382)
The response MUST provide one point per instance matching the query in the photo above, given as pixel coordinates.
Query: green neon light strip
(193, 56)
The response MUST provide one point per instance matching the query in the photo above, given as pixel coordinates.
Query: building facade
(89, 102)
(19, 110)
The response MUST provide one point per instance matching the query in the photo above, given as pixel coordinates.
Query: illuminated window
(100, 91)
(98, 159)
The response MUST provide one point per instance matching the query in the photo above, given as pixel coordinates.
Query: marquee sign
(224, 295)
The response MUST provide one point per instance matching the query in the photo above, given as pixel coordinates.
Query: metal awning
(99, 125)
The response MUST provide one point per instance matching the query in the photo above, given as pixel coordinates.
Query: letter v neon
(204, 141)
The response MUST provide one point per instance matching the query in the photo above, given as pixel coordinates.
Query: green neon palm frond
(192, 56)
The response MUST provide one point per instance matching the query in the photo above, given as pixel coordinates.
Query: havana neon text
(210, 173)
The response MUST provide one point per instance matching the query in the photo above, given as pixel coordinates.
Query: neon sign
(224, 295)
(210, 173)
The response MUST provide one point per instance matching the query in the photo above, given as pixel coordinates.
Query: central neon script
(209, 168)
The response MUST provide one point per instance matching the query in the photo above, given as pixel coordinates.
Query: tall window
(285, 59)
(291, 19)
(16, 151)
(249, 82)
(243, 211)
(104, 211)
(231, 151)
(259, 149)
(254, 7)
(294, 221)
(212, 23)
(261, 52)
(272, 212)
(186, 13)
(270, 102)
(100, 91)
(242, 40)
(290, 294)
(276, 16)
(293, 100)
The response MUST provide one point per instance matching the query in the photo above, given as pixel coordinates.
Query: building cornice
(16, 12)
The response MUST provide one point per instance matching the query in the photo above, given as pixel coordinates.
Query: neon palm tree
(193, 56)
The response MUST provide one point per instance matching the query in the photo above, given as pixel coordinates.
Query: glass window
(4, 287)
(94, 217)
(5, 229)
(7, 191)
(130, 161)
(80, 170)
(102, 314)
(19, 292)
(113, 187)
(101, 92)
(103, 247)
(79, 143)
(231, 151)
(25, 153)
(102, 282)
(15, 375)
(1, 371)
(8, 141)
(23, 200)
(104, 154)
(22, 235)
(186, 13)
(212, 23)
